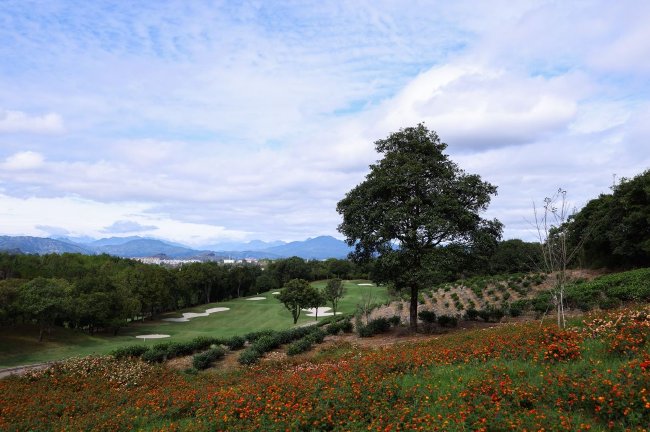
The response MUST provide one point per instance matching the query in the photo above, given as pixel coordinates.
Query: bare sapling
(551, 226)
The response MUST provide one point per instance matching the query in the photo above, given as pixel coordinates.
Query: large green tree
(414, 204)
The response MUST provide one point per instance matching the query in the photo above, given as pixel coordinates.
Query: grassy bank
(593, 376)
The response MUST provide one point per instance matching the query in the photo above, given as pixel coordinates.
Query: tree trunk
(413, 311)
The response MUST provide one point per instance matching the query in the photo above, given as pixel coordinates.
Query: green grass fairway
(19, 345)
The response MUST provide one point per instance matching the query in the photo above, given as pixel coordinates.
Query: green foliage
(395, 320)
(375, 326)
(267, 343)
(44, 300)
(427, 316)
(447, 321)
(491, 313)
(249, 356)
(316, 336)
(235, 342)
(609, 290)
(298, 294)
(471, 314)
(298, 347)
(129, 351)
(253, 336)
(333, 292)
(515, 256)
(205, 359)
(155, 355)
(613, 230)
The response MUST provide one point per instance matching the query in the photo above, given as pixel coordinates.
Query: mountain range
(322, 247)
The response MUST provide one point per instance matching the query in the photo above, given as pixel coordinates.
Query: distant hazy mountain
(39, 245)
(113, 241)
(145, 248)
(322, 247)
(253, 245)
(131, 247)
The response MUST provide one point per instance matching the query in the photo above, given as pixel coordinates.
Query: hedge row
(168, 350)
(376, 326)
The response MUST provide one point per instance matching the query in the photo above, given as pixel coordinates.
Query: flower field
(593, 376)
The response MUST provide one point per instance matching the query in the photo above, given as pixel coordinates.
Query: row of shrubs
(301, 338)
(429, 317)
(377, 326)
(168, 350)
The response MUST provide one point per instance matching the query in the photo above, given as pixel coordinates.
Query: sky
(203, 122)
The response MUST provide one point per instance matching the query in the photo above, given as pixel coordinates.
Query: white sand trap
(275, 292)
(152, 336)
(256, 298)
(365, 284)
(217, 309)
(322, 311)
(189, 315)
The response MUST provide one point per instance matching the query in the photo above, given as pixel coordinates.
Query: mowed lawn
(20, 346)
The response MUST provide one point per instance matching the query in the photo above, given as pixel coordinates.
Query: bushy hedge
(169, 350)
(205, 359)
(234, 343)
(344, 326)
(376, 326)
(249, 356)
(427, 316)
(253, 336)
(129, 351)
(298, 347)
(447, 321)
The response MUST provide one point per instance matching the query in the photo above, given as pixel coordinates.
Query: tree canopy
(412, 209)
(298, 294)
(613, 230)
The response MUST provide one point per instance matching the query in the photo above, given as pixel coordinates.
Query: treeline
(102, 292)
(613, 230)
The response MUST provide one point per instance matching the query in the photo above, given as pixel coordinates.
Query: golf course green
(19, 345)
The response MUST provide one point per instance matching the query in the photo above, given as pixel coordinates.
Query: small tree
(333, 292)
(367, 302)
(296, 295)
(317, 299)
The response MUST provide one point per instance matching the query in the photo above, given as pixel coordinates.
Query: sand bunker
(365, 284)
(322, 311)
(152, 336)
(275, 292)
(256, 298)
(189, 315)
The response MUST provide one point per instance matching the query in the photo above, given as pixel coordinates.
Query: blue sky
(207, 121)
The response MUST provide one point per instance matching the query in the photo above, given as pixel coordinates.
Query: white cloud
(18, 121)
(82, 217)
(53, 230)
(252, 120)
(23, 161)
(477, 107)
(127, 226)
